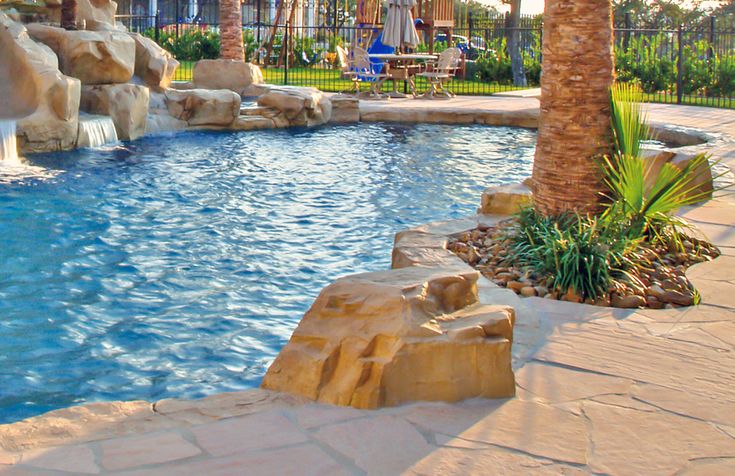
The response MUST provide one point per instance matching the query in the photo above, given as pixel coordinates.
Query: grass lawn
(329, 80)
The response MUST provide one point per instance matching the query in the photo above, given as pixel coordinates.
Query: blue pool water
(178, 265)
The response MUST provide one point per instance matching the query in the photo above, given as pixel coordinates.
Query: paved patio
(599, 390)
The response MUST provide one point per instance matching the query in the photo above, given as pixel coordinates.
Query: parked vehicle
(471, 49)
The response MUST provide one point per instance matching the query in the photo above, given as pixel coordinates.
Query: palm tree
(574, 126)
(69, 14)
(230, 19)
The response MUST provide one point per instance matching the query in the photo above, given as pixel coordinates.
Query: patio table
(399, 68)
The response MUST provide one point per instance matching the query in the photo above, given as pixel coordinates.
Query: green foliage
(647, 61)
(651, 62)
(577, 252)
(645, 194)
(192, 44)
(494, 65)
(629, 126)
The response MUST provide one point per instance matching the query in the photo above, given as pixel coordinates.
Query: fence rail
(680, 65)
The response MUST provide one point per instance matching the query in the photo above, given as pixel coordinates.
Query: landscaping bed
(657, 280)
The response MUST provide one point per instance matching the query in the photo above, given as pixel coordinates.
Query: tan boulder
(234, 75)
(126, 104)
(383, 339)
(201, 107)
(97, 14)
(252, 122)
(95, 57)
(504, 199)
(703, 178)
(301, 106)
(703, 185)
(154, 65)
(34, 90)
(345, 110)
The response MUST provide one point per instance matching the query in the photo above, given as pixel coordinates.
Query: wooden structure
(436, 16)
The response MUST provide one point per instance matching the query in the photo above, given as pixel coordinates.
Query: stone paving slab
(600, 390)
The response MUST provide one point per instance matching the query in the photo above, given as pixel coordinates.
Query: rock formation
(201, 107)
(300, 106)
(46, 100)
(126, 104)
(237, 76)
(97, 14)
(95, 57)
(504, 199)
(153, 65)
(383, 339)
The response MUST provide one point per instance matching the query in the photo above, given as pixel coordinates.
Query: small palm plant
(643, 195)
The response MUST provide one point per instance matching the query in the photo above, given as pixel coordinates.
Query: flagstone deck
(599, 391)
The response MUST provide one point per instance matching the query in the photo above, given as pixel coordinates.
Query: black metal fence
(693, 65)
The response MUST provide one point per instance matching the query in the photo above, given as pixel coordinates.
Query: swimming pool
(178, 265)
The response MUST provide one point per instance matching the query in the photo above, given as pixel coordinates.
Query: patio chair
(441, 72)
(370, 72)
(347, 66)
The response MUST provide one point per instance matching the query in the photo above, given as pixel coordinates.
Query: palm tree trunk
(230, 18)
(69, 14)
(574, 126)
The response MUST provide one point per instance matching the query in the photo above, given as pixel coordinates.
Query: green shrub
(577, 252)
(648, 61)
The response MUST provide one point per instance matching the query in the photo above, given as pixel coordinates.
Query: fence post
(335, 15)
(680, 65)
(628, 26)
(285, 49)
(711, 49)
(176, 16)
(157, 26)
(258, 23)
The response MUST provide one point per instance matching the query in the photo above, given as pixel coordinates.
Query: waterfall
(95, 131)
(8, 144)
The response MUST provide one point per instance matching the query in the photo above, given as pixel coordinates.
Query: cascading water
(95, 131)
(8, 144)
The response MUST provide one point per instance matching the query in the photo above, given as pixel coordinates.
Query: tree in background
(574, 125)
(69, 14)
(514, 43)
(658, 14)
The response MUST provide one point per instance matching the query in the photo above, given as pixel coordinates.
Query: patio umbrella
(399, 29)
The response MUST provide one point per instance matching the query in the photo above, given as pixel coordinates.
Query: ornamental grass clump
(577, 253)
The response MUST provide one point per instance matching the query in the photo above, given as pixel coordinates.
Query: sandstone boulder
(300, 106)
(252, 122)
(383, 339)
(237, 76)
(126, 104)
(201, 107)
(95, 57)
(154, 65)
(703, 178)
(345, 110)
(504, 199)
(97, 14)
(34, 91)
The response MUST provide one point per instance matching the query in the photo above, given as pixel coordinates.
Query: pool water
(178, 265)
